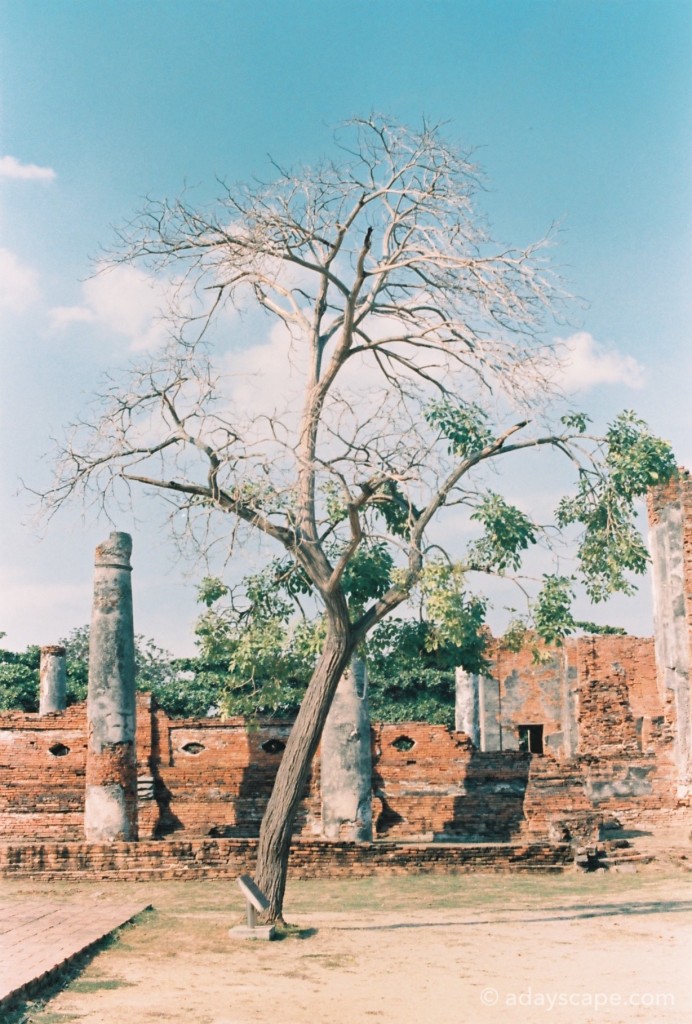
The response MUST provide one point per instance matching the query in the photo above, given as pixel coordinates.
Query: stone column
(110, 812)
(568, 706)
(670, 531)
(467, 706)
(52, 680)
(346, 760)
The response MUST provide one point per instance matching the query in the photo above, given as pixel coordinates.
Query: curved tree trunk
(277, 823)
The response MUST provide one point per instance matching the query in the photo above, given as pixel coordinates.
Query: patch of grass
(341, 963)
(292, 931)
(471, 891)
(98, 984)
(49, 1017)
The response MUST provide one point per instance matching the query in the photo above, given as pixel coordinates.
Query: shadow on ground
(581, 912)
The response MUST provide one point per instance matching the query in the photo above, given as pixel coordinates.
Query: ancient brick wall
(619, 709)
(215, 775)
(608, 753)
(42, 774)
(191, 859)
(521, 691)
(595, 695)
(212, 778)
(441, 788)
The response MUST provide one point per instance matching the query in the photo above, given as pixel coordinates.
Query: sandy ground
(594, 955)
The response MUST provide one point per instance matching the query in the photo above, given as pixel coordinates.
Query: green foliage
(594, 627)
(508, 532)
(575, 421)
(257, 659)
(179, 691)
(19, 679)
(155, 668)
(412, 678)
(210, 590)
(188, 691)
(336, 510)
(367, 575)
(455, 618)
(552, 621)
(552, 614)
(394, 508)
(250, 662)
(515, 636)
(611, 546)
(463, 424)
(291, 578)
(636, 459)
(265, 673)
(259, 665)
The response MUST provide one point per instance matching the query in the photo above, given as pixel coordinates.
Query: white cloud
(18, 283)
(584, 363)
(10, 167)
(125, 301)
(63, 316)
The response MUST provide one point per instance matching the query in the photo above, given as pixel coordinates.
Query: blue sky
(580, 116)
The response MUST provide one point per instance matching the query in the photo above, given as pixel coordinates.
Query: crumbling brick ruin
(593, 738)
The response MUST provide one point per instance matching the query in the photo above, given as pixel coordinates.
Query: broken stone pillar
(52, 680)
(467, 706)
(568, 706)
(346, 760)
(670, 531)
(489, 714)
(110, 812)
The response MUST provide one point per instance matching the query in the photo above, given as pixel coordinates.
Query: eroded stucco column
(568, 705)
(346, 760)
(52, 680)
(111, 776)
(467, 706)
(669, 521)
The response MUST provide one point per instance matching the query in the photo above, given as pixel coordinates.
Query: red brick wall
(42, 773)
(214, 774)
(192, 859)
(619, 708)
(524, 691)
(214, 777)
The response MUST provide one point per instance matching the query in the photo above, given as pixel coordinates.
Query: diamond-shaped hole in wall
(403, 743)
(58, 750)
(193, 748)
(273, 746)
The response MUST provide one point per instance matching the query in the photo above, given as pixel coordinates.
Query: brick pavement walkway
(39, 939)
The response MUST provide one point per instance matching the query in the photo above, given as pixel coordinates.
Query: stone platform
(39, 939)
(203, 857)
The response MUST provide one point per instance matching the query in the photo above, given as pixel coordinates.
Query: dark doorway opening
(531, 738)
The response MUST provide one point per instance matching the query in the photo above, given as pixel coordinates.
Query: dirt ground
(571, 949)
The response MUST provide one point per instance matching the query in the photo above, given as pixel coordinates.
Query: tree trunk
(277, 824)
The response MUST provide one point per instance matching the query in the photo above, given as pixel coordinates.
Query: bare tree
(412, 355)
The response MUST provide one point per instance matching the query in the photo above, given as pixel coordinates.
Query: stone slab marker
(346, 760)
(52, 680)
(110, 811)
